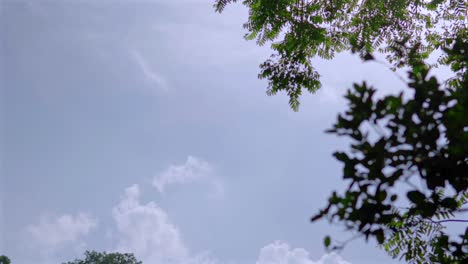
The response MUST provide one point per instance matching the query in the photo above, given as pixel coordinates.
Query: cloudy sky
(140, 126)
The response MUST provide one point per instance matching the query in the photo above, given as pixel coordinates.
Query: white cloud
(150, 74)
(55, 232)
(281, 253)
(146, 231)
(194, 169)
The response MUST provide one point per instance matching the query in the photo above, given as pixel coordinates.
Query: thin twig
(450, 220)
(340, 247)
(390, 68)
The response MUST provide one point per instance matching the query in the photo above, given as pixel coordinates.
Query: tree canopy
(407, 166)
(300, 30)
(93, 257)
(419, 145)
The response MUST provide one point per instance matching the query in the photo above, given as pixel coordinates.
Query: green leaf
(379, 234)
(327, 241)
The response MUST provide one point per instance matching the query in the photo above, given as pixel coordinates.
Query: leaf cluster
(93, 257)
(301, 30)
(398, 141)
(422, 240)
(4, 260)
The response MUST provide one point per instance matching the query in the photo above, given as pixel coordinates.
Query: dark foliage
(4, 260)
(93, 257)
(420, 143)
(301, 30)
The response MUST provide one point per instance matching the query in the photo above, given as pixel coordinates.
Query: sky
(140, 126)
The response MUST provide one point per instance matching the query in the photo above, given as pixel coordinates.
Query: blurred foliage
(300, 30)
(4, 260)
(419, 144)
(93, 257)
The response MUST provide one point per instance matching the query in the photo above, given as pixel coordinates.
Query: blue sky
(141, 126)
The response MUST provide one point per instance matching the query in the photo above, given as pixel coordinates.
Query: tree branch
(450, 220)
(341, 244)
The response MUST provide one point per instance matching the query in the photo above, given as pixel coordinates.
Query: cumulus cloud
(194, 169)
(150, 74)
(146, 231)
(55, 232)
(281, 253)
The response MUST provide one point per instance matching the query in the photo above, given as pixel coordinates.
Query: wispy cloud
(194, 169)
(150, 74)
(55, 232)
